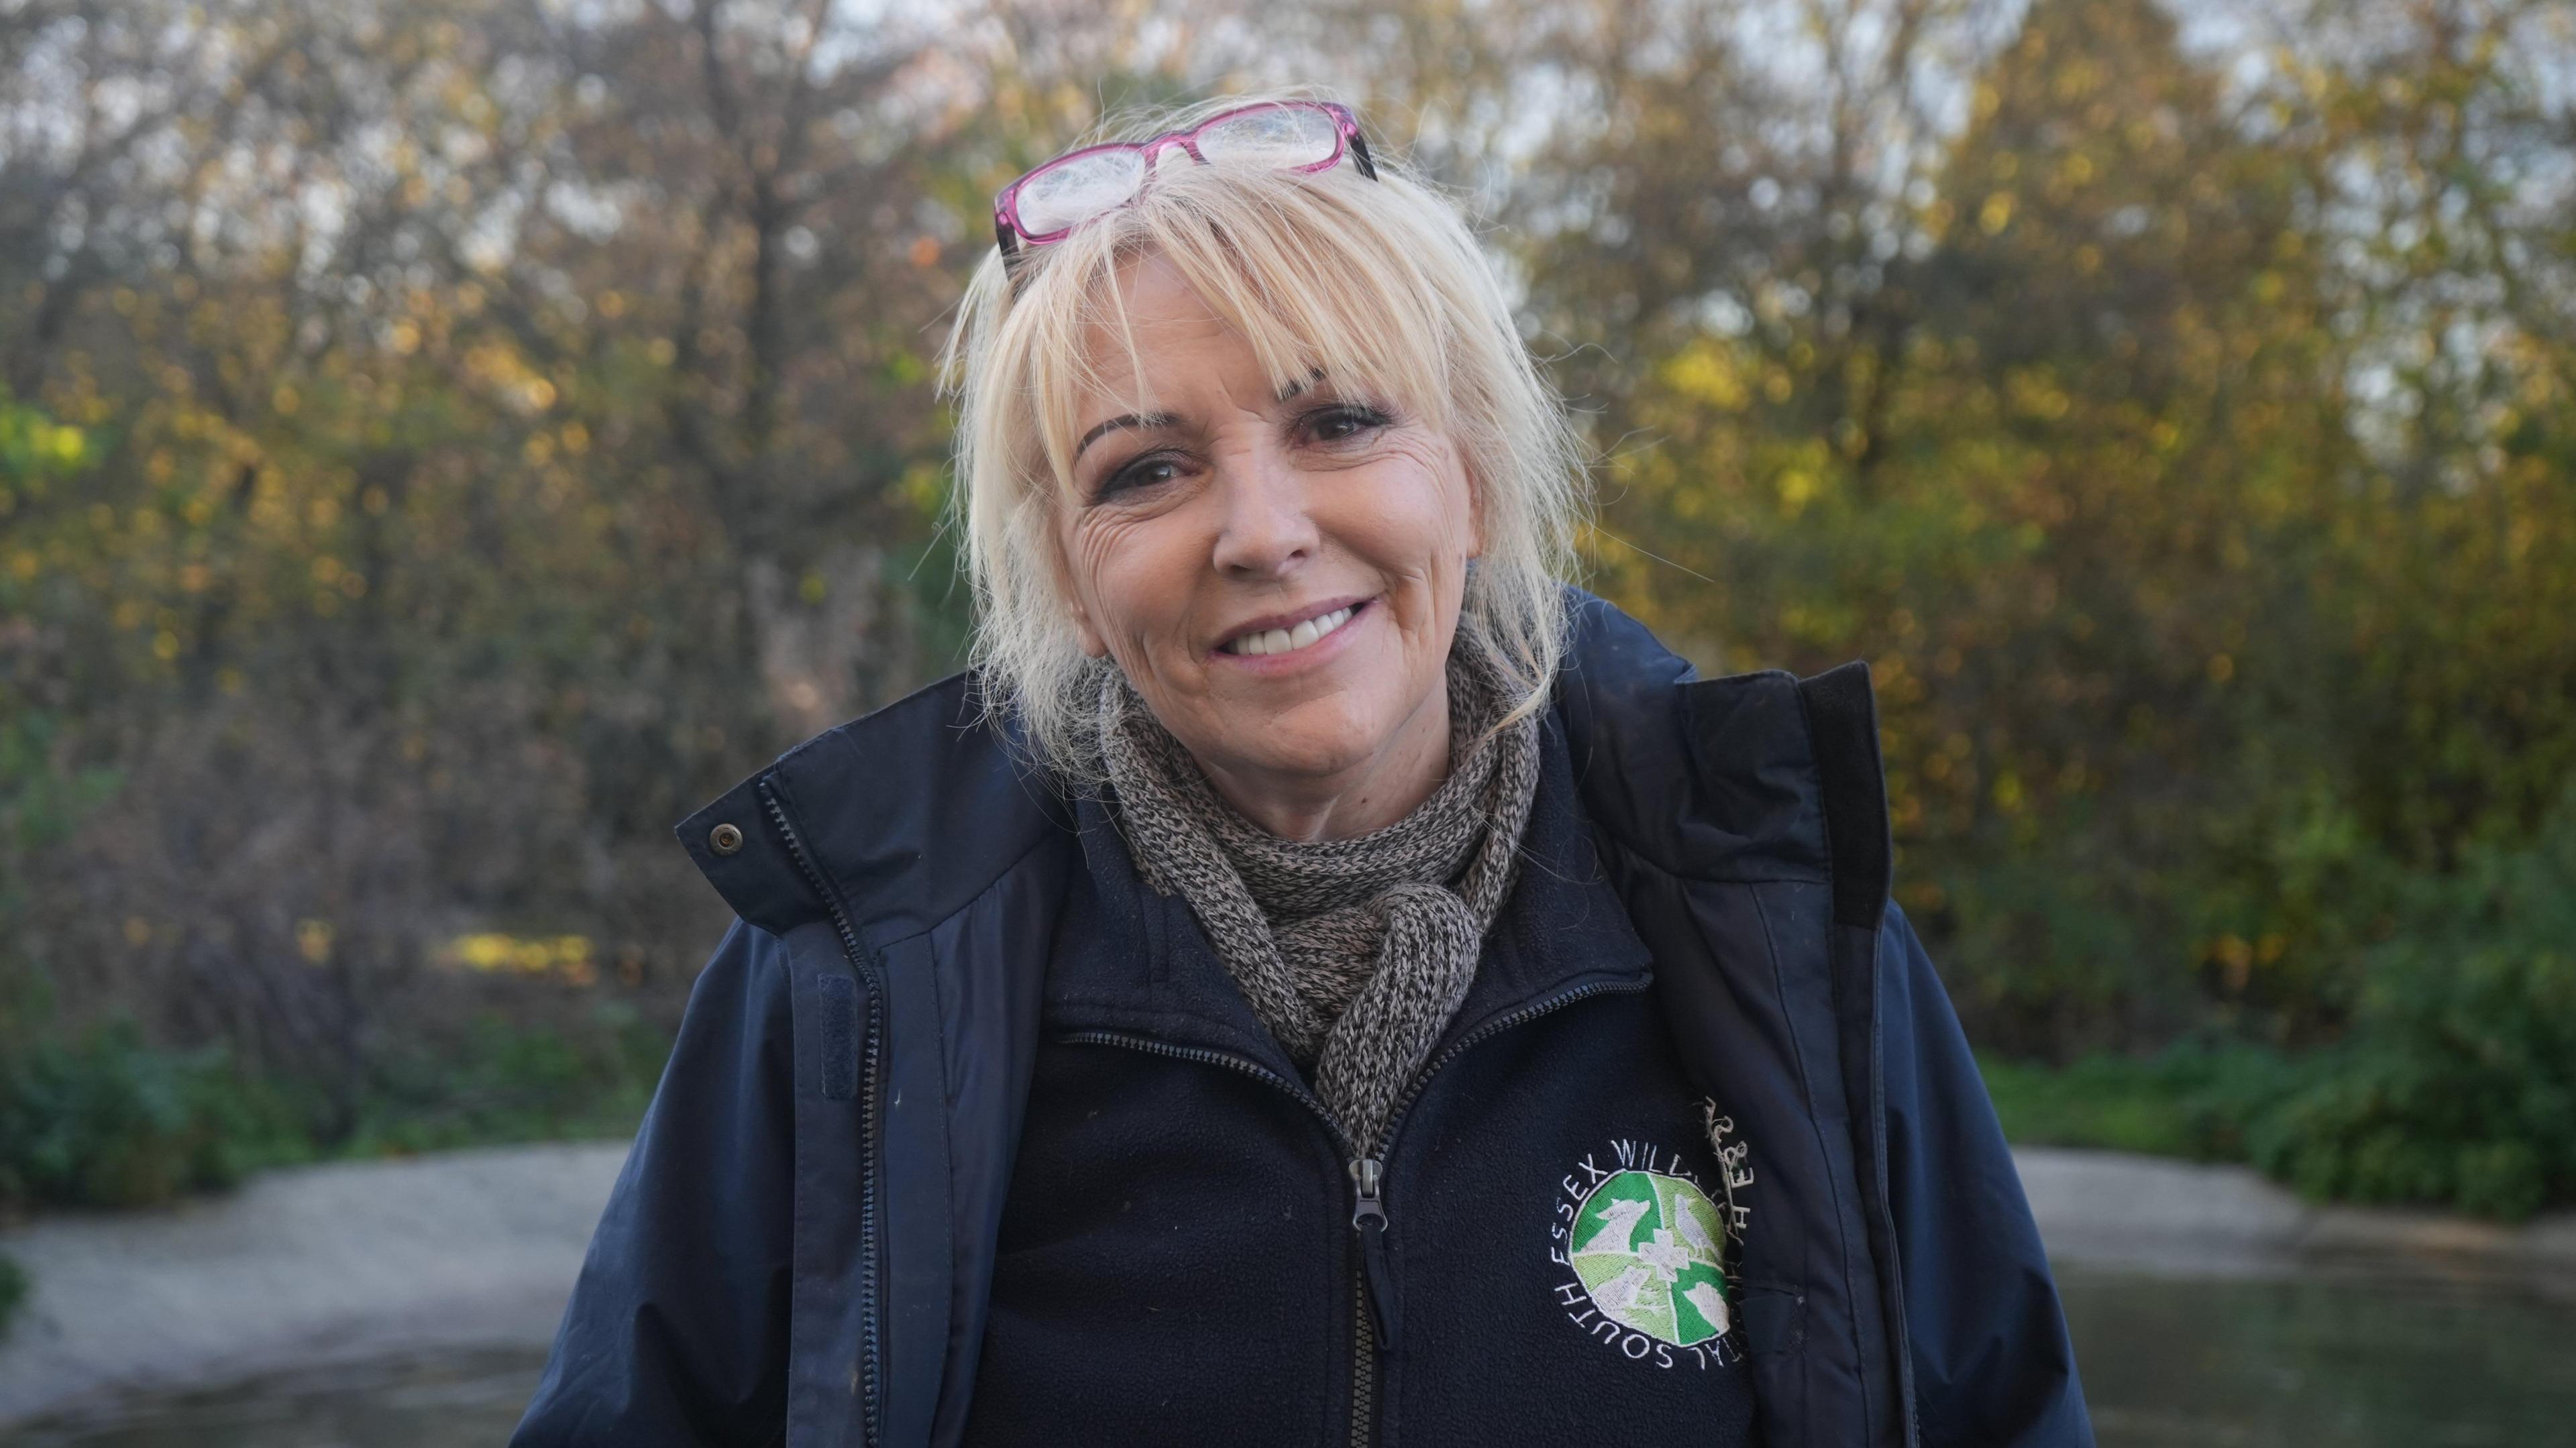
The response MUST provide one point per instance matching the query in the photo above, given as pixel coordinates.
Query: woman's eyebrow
(1296, 385)
(1129, 419)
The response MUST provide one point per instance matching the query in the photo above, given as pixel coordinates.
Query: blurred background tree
(445, 442)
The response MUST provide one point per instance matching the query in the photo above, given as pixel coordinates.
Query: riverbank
(305, 1265)
(359, 1260)
(2116, 1210)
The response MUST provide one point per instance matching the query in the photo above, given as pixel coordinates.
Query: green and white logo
(1645, 1246)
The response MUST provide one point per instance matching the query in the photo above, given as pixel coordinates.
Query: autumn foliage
(444, 443)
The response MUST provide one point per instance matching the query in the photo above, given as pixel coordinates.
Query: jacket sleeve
(1993, 1366)
(676, 1333)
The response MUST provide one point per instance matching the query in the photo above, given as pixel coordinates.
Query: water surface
(435, 1400)
(2350, 1361)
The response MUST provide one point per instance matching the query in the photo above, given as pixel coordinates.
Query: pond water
(2343, 1362)
(2348, 1361)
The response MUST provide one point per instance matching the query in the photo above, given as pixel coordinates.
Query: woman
(1318, 978)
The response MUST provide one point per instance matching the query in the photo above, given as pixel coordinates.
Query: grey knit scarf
(1354, 952)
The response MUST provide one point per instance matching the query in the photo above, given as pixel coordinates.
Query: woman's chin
(1294, 753)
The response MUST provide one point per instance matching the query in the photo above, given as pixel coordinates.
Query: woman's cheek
(1093, 554)
(1129, 584)
(1429, 510)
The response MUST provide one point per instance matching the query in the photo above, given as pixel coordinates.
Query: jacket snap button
(724, 839)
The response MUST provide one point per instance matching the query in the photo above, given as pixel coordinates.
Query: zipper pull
(1365, 1174)
(1368, 1218)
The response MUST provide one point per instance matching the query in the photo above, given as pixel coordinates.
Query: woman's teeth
(1281, 640)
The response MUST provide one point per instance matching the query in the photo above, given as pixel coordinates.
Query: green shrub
(2454, 1083)
(505, 1082)
(2457, 1080)
(2194, 1099)
(13, 1291)
(110, 1121)
(2113, 1102)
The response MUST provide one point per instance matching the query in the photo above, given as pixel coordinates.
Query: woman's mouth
(1289, 640)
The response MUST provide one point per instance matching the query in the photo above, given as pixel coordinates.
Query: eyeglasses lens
(1080, 187)
(1077, 188)
(1271, 136)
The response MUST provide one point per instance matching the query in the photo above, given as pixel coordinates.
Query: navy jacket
(801, 1245)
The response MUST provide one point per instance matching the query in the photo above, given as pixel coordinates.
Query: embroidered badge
(1643, 1249)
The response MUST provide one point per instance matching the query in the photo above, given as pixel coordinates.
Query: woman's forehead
(1156, 340)
(1155, 334)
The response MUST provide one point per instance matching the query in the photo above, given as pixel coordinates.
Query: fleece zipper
(1373, 1289)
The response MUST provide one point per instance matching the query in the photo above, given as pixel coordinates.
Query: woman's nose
(1267, 525)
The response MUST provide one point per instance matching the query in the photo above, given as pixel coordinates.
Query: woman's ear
(1475, 512)
(1093, 645)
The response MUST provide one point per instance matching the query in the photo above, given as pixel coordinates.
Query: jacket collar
(1710, 779)
(892, 822)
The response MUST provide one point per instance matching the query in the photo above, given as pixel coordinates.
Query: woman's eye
(1339, 423)
(1144, 472)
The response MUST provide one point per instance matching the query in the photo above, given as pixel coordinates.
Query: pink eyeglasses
(1052, 200)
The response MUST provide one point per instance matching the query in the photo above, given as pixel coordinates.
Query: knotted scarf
(1354, 952)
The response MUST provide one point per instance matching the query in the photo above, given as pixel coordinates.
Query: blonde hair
(1376, 281)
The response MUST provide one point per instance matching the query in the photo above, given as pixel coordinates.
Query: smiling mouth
(1289, 640)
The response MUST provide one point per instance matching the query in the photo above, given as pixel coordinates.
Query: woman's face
(1278, 576)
